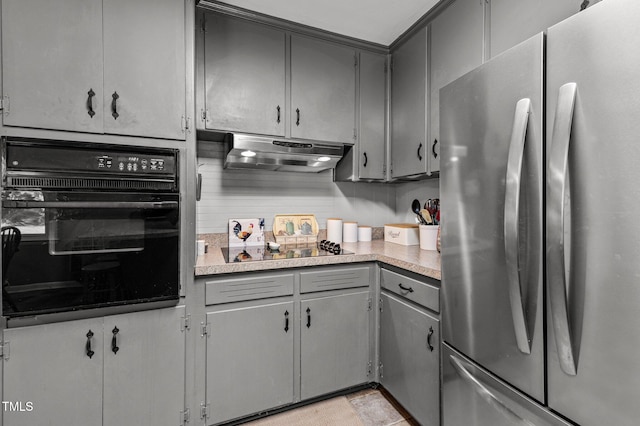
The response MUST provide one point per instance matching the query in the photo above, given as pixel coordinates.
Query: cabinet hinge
(369, 304)
(204, 329)
(185, 323)
(186, 124)
(380, 308)
(369, 368)
(203, 114)
(204, 410)
(355, 134)
(4, 104)
(4, 350)
(380, 369)
(185, 416)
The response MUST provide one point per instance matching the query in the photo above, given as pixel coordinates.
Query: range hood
(263, 152)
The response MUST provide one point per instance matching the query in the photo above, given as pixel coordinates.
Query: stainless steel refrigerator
(540, 190)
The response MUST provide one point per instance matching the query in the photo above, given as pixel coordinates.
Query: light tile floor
(374, 409)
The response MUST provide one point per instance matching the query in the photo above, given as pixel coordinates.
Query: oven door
(70, 251)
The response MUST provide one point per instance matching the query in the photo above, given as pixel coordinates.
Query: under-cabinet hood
(268, 153)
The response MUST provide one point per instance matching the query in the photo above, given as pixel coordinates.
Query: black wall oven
(87, 226)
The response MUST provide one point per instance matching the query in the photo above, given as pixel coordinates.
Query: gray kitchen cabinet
(372, 116)
(144, 380)
(334, 343)
(409, 106)
(71, 375)
(50, 64)
(514, 21)
(323, 90)
(410, 345)
(456, 48)
(144, 68)
(249, 359)
(63, 70)
(47, 366)
(245, 76)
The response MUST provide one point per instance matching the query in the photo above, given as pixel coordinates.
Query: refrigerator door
(491, 190)
(593, 200)
(474, 397)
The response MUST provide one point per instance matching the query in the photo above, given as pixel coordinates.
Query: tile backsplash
(261, 193)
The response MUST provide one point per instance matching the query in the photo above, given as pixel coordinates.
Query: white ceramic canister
(334, 230)
(350, 232)
(364, 233)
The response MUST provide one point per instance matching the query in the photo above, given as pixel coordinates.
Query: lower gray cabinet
(334, 343)
(249, 360)
(116, 370)
(410, 357)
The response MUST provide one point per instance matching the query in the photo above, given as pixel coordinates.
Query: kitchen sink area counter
(410, 258)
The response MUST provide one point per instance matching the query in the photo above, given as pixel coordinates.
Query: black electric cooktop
(260, 253)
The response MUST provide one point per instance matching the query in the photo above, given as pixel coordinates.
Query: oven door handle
(30, 204)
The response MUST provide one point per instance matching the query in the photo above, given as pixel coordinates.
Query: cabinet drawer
(421, 293)
(334, 279)
(247, 288)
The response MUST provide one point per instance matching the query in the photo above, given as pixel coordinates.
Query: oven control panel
(130, 163)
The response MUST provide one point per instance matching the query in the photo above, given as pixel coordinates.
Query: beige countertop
(410, 258)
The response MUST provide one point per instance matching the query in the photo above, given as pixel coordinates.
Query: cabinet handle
(433, 148)
(87, 347)
(297, 116)
(278, 109)
(286, 321)
(308, 317)
(365, 159)
(409, 289)
(114, 106)
(114, 342)
(420, 149)
(90, 110)
(429, 336)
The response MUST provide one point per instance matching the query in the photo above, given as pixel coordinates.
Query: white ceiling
(378, 21)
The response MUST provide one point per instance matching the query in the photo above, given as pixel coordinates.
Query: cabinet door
(144, 66)
(371, 137)
(410, 358)
(244, 76)
(408, 107)
(456, 48)
(144, 368)
(323, 90)
(51, 60)
(249, 360)
(334, 343)
(48, 366)
(514, 21)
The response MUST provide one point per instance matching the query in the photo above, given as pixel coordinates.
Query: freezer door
(593, 200)
(491, 190)
(474, 397)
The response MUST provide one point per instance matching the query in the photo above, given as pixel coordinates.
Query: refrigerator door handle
(511, 223)
(486, 394)
(556, 193)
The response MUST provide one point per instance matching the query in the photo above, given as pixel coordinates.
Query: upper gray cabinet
(245, 76)
(372, 116)
(409, 106)
(514, 21)
(456, 48)
(261, 79)
(323, 90)
(99, 66)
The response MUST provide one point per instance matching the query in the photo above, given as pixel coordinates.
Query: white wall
(230, 194)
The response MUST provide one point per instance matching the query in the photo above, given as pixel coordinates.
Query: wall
(230, 194)
(421, 190)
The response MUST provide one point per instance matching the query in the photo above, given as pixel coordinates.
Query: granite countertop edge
(410, 258)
